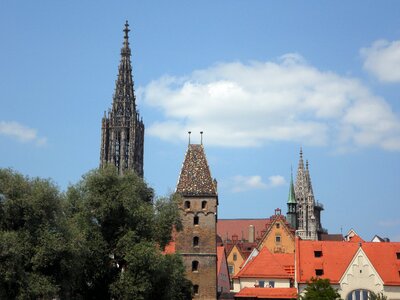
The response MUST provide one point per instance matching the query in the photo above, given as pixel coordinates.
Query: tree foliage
(319, 289)
(102, 239)
(378, 296)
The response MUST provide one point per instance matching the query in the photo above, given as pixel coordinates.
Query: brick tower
(197, 241)
(122, 131)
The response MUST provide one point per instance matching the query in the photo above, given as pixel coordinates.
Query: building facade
(122, 130)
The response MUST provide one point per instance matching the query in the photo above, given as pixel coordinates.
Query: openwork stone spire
(122, 128)
(308, 210)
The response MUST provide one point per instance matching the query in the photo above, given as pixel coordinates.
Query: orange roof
(226, 228)
(268, 293)
(220, 257)
(170, 248)
(269, 265)
(383, 257)
(355, 239)
(336, 257)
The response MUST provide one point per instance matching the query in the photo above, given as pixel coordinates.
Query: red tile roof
(336, 257)
(269, 265)
(226, 228)
(383, 257)
(170, 248)
(268, 293)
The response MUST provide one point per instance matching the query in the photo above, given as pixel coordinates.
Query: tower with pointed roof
(197, 241)
(308, 210)
(122, 131)
(291, 215)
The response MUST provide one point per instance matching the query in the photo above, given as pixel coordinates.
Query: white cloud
(247, 105)
(244, 183)
(382, 60)
(389, 223)
(21, 133)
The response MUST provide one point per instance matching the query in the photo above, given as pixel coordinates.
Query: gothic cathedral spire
(122, 129)
(308, 210)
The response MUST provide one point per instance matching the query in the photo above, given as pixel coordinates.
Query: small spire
(126, 30)
(201, 137)
(189, 133)
(291, 196)
(307, 164)
(301, 152)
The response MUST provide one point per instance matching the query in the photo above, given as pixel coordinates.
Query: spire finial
(307, 164)
(126, 30)
(301, 152)
(201, 137)
(189, 132)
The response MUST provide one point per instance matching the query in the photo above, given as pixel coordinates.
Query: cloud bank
(244, 183)
(249, 105)
(21, 133)
(382, 59)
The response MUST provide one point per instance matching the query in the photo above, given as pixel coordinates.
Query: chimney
(251, 234)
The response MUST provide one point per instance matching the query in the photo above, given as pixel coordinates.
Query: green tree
(33, 249)
(319, 289)
(102, 239)
(119, 234)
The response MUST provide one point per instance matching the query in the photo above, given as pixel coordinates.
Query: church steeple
(122, 129)
(291, 214)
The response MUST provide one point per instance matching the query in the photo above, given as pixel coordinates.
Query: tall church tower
(292, 205)
(308, 210)
(122, 131)
(197, 241)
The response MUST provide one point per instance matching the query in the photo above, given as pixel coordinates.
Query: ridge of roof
(268, 293)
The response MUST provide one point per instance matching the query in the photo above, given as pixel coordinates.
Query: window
(196, 220)
(195, 266)
(277, 225)
(203, 204)
(317, 253)
(196, 289)
(234, 256)
(271, 284)
(398, 255)
(261, 283)
(278, 239)
(231, 269)
(358, 294)
(187, 204)
(196, 241)
(319, 272)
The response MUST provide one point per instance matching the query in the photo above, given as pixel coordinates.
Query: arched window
(358, 295)
(203, 204)
(187, 204)
(196, 220)
(196, 289)
(196, 241)
(195, 266)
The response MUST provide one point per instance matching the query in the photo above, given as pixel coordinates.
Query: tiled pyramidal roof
(195, 178)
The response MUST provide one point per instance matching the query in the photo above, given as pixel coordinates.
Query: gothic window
(187, 204)
(196, 289)
(203, 204)
(195, 266)
(196, 220)
(196, 241)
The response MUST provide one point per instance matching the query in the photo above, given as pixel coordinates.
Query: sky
(260, 78)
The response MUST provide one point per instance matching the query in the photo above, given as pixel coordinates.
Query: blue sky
(260, 78)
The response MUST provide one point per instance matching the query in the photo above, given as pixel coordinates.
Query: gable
(279, 238)
(360, 274)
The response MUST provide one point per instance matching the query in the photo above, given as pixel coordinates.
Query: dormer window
(317, 253)
(398, 255)
(187, 204)
(319, 272)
